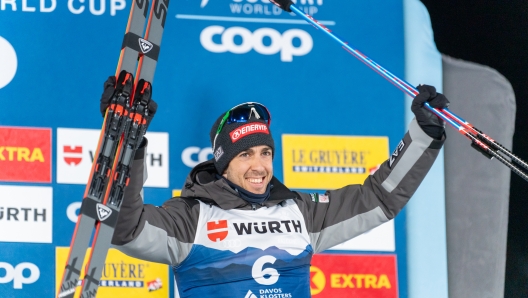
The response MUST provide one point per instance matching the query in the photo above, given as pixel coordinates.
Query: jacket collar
(201, 183)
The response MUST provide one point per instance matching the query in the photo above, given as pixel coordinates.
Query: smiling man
(237, 231)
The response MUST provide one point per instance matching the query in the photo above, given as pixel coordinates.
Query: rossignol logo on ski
(396, 153)
(145, 45)
(103, 212)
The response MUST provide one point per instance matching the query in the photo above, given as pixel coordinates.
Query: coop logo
(22, 274)
(218, 39)
(25, 154)
(9, 62)
(217, 230)
(76, 150)
(192, 156)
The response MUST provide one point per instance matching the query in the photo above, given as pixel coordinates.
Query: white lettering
(203, 155)
(102, 7)
(116, 5)
(16, 274)
(96, 7)
(27, 8)
(73, 9)
(43, 7)
(279, 43)
(259, 274)
(72, 212)
(10, 2)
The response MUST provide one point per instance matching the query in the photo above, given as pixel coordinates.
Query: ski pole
(479, 139)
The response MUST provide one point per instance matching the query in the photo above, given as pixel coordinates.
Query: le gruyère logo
(217, 230)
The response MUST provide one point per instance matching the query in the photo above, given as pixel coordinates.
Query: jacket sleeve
(159, 234)
(355, 209)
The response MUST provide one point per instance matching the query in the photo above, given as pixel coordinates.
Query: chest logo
(217, 230)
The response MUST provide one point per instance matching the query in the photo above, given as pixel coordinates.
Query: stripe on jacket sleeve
(420, 142)
(348, 229)
(147, 246)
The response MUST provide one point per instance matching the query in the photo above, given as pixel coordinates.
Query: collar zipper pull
(253, 207)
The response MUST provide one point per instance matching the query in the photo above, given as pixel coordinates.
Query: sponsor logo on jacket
(25, 154)
(325, 162)
(218, 230)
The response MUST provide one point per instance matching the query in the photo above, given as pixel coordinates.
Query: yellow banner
(123, 276)
(330, 162)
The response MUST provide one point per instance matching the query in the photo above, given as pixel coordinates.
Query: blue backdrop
(214, 55)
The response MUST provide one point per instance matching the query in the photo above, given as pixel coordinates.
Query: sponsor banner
(329, 162)
(26, 214)
(381, 238)
(76, 150)
(25, 154)
(344, 276)
(123, 276)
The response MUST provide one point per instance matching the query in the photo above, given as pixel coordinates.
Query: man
(237, 231)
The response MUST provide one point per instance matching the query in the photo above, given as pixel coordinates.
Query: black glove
(431, 124)
(108, 93)
(284, 4)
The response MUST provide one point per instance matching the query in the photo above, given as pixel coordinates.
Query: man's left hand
(431, 124)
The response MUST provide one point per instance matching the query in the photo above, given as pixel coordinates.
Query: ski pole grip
(283, 4)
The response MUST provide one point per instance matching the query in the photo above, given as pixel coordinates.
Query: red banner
(366, 276)
(25, 154)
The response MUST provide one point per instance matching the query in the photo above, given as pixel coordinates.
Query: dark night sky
(495, 33)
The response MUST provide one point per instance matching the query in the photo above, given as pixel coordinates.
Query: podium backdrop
(55, 56)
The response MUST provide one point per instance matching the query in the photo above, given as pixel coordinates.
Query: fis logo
(280, 43)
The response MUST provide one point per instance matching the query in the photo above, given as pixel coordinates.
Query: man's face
(251, 169)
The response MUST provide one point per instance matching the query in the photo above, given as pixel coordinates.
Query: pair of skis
(123, 128)
(479, 141)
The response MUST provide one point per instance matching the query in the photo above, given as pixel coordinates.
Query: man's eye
(243, 154)
(267, 153)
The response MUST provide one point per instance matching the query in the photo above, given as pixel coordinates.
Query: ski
(123, 128)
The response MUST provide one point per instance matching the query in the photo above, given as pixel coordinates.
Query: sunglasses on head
(243, 113)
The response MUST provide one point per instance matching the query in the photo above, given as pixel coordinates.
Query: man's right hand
(108, 93)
